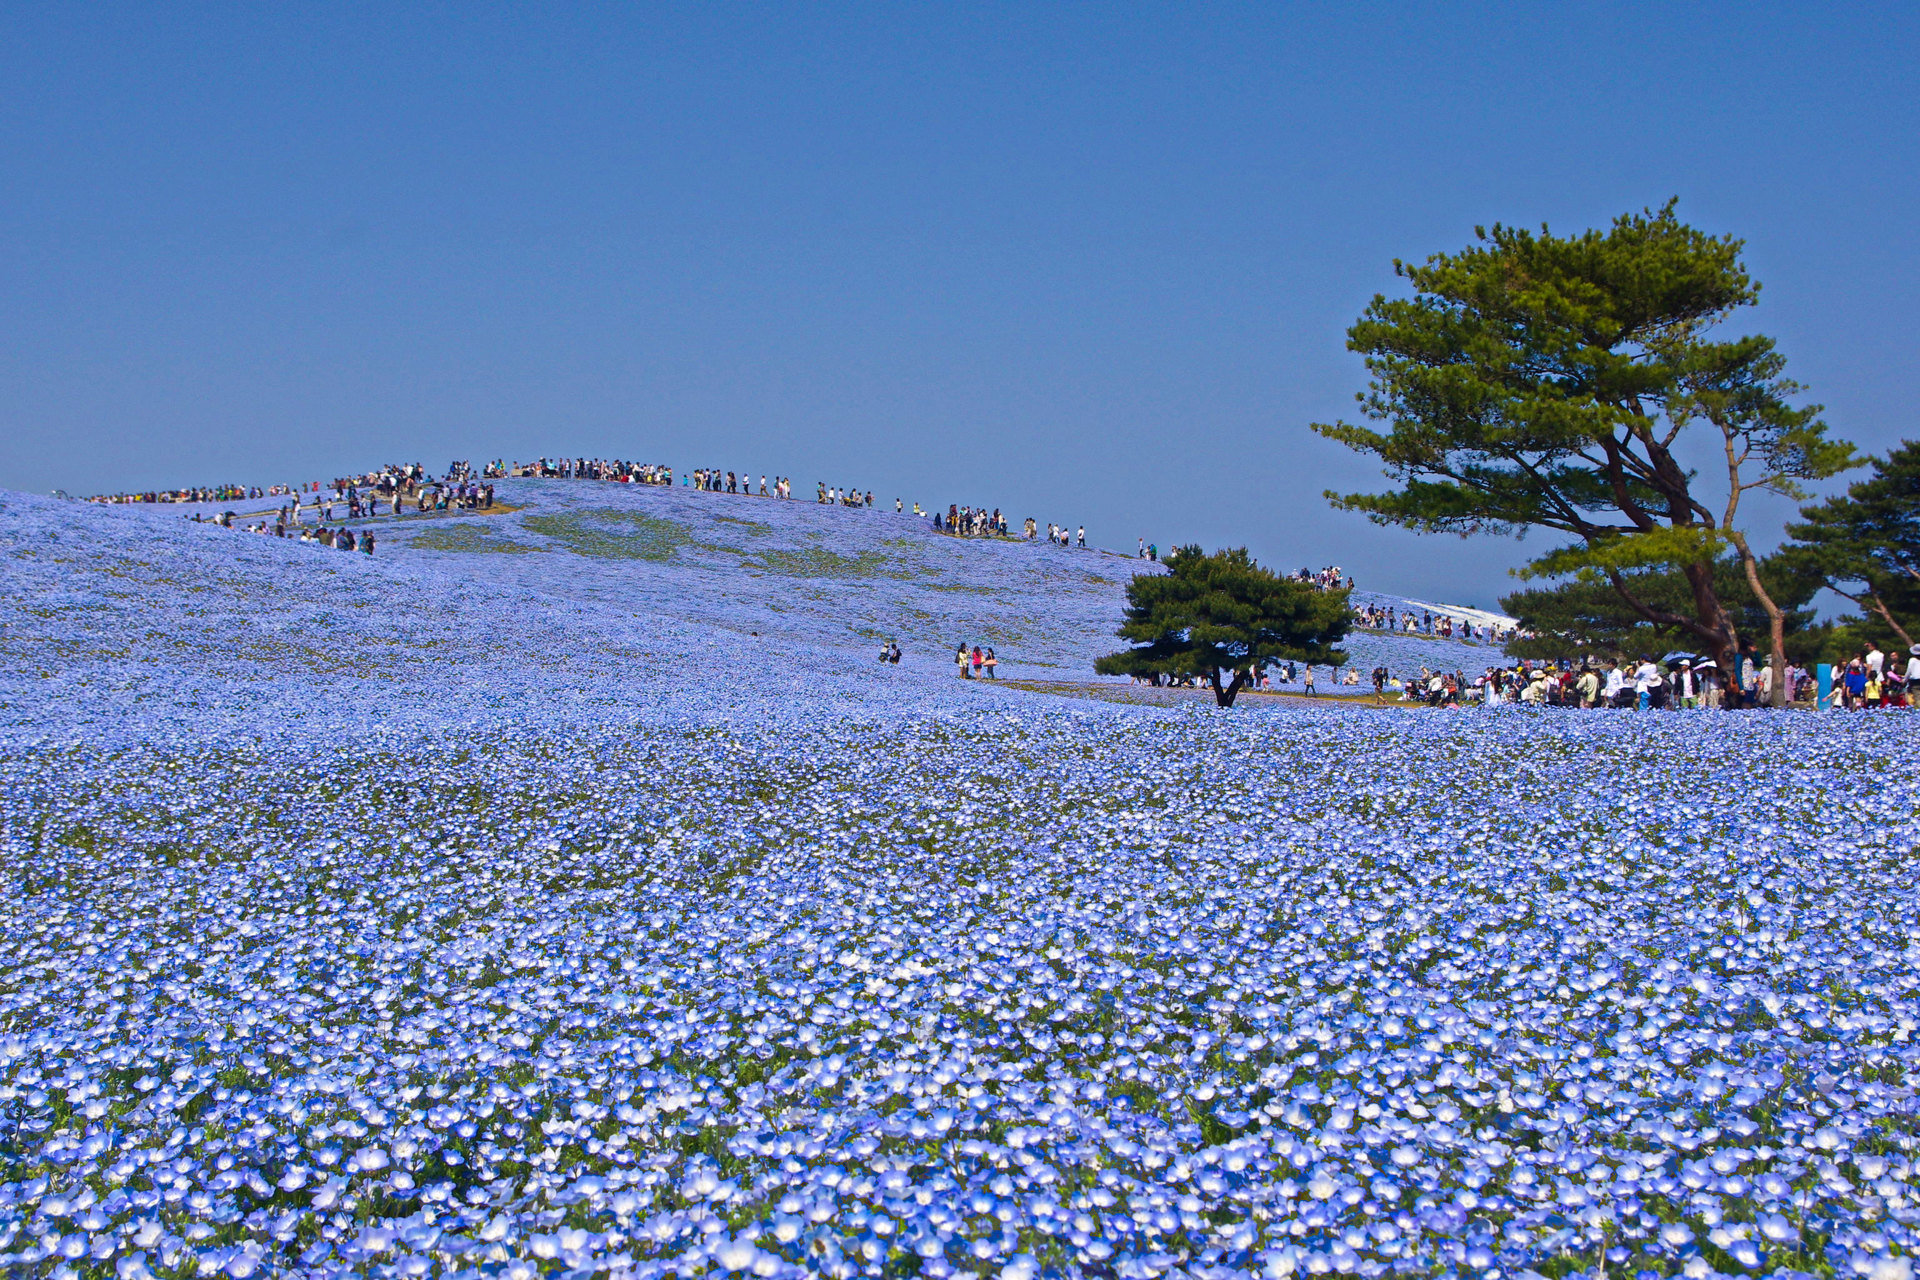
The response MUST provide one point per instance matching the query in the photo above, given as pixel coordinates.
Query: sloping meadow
(1004, 989)
(823, 574)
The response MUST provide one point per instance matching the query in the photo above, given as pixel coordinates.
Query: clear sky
(1087, 263)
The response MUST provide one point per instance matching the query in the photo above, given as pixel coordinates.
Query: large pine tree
(1535, 381)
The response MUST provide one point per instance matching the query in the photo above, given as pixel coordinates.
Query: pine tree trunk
(1712, 617)
(1776, 620)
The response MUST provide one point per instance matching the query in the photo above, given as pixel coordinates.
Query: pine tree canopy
(1865, 544)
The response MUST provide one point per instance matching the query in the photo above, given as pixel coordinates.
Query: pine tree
(1561, 383)
(1222, 615)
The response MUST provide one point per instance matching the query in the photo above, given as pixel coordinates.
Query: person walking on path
(991, 663)
(978, 659)
(1309, 679)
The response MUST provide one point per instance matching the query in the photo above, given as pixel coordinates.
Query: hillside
(836, 577)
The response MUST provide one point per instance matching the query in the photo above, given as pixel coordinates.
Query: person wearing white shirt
(1913, 667)
(1876, 661)
(1616, 682)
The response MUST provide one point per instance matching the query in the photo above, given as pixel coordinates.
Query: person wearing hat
(1645, 676)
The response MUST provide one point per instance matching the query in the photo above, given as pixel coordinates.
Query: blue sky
(1091, 264)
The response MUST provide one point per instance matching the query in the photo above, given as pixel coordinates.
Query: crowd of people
(1872, 680)
(392, 490)
(963, 521)
(582, 469)
(1327, 579)
(1678, 682)
(1376, 617)
(398, 489)
(204, 493)
(701, 479)
(340, 539)
(972, 522)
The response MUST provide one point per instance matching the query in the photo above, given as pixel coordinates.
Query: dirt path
(1148, 695)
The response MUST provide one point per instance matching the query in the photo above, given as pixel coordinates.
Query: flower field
(398, 918)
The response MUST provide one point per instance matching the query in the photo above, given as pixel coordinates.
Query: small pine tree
(1220, 616)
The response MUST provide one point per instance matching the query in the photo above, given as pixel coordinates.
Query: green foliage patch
(817, 562)
(466, 536)
(608, 533)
